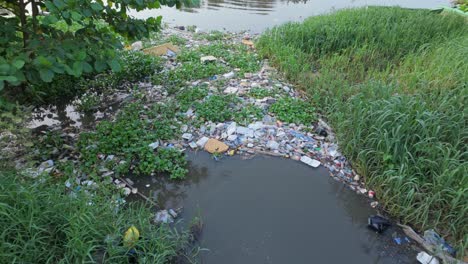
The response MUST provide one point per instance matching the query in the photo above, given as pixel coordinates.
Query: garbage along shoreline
(314, 144)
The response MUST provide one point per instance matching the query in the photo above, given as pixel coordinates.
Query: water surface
(274, 210)
(257, 15)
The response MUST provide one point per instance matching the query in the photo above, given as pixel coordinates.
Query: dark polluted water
(258, 15)
(275, 210)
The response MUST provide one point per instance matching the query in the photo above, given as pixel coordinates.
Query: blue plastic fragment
(397, 240)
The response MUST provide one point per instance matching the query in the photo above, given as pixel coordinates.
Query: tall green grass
(393, 82)
(41, 223)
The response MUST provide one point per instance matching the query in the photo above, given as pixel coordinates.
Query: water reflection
(260, 7)
(257, 15)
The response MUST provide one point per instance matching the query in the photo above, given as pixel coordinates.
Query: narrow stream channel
(274, 210)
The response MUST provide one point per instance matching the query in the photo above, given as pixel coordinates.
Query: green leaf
(81, 55)
(46, 75)
(77, 68)
(43, 62)
(18, 64)
(4, 68)
(75, 15)
(8, 78)
(58, 69)
(115, 65)
(50, 6)
(87, 67)
(20, 76)
(100, 65)
(59, 4)
(96, 6)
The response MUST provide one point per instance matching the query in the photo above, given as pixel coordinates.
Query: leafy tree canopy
(40, 39)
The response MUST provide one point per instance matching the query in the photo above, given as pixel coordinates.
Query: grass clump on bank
(392, 82)
(43, 222)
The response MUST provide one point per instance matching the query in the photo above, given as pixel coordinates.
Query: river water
(257, 15)
(275, 210)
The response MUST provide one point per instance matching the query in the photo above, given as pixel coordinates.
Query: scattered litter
(154, 145)
(248, 42)
(432, 238)
(425, 258)
(231, 90)
(273, 145)
(131, 237)
(127, 191)
(374, 204)
(187, 136)
(378, 223)
(164, 49)
(208, 59)
(311, 162)
(129, 181)
(165, 216)
(400, 240)
(46, 164)
(193, 145)
(215, 146)
(371, 194)
(173, 213)
(232, 138)
(229, 75)
(202, 141)
(231, 129)
(138, 45)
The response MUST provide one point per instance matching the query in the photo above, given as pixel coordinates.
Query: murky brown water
(257, 15)
(274, 210)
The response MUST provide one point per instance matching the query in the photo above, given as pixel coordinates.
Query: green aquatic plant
(292, 110)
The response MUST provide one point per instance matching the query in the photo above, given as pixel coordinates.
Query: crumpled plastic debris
(131, 237)
(165, 216)
(431, 237)
(425, 258)
(378, 223)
